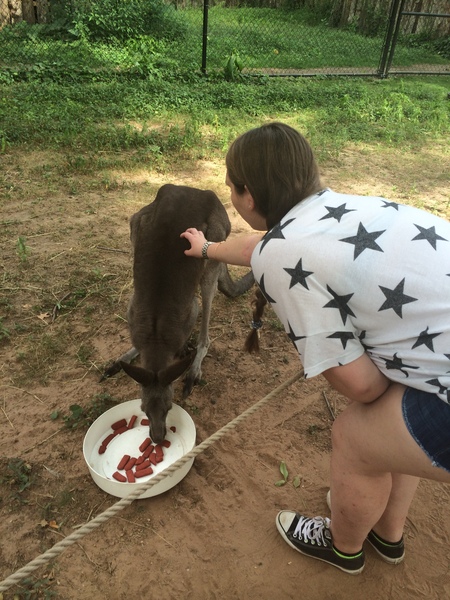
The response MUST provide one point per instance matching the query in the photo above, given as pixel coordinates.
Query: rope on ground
(58, 548)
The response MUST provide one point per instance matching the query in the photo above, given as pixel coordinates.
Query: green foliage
(36, 589)
(233, 67)
(106, 124)
(22, 249)
(440, 45)
(4, 332)
(284, 473)
(18, 474)
(285, 476)
(113, 20)
(80, 416)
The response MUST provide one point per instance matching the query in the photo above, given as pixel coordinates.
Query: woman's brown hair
(276, 164)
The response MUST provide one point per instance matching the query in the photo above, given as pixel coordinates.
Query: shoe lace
(314, 531)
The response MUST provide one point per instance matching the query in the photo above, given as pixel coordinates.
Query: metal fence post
(393, 18)
(205, 35)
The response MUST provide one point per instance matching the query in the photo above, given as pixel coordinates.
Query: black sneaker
(389, 552)
(312, 537)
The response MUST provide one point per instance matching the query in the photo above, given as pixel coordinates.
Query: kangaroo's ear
(139, 374)
(166, 376)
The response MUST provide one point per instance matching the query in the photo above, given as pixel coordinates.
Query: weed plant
(83, 417)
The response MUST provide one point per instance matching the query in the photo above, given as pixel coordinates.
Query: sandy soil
(63, 297)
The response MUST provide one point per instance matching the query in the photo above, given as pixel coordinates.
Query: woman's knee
(344, 428)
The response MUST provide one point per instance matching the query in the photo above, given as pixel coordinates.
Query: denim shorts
(427, 418)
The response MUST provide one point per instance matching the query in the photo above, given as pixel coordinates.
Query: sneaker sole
(283, 535)
(387, 559)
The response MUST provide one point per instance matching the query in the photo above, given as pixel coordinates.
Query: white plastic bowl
(102, 466)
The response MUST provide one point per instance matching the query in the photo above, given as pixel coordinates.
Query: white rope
(58, 548)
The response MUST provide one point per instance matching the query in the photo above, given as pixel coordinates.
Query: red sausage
(119, 477)
(121, 430)
(173, 428)
(143, 472)
(108, 438)
(159, 453)
(148, 451)
(165, 443)
(123, 462)
(119, 424)
(145, 422)
(130, 464)
(144, 444)
(153, 459)
(144, 465)
(105, 442)
(130, 476)
(132, 422)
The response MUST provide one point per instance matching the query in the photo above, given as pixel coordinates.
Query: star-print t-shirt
(353, 274)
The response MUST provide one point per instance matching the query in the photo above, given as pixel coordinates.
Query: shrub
(121, 20)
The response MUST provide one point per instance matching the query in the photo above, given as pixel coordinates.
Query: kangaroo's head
(157, 393)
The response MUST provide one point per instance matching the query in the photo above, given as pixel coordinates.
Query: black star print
(276, 233)
(426, 339)
(390, 205)
(395, 298)
(344, 336)
(361, 337)
(428, 234)
(262, 287)
(336, 213)
(340, 302)
(291, 335)
(298, 275)
(364, 240)
(397, 364)
(447, 356)
(437, 383)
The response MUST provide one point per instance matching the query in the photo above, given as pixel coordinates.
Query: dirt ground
(65, 283)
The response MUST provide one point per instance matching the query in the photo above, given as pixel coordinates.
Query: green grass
(144, 101)
(265, 38)
(102, 125)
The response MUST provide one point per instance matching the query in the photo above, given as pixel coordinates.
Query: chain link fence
(255, 37)
(357, 40)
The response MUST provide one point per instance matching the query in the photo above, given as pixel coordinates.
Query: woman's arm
(360, 380)
(234, 251)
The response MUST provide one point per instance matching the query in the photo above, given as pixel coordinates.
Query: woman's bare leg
(375, 468)
(392, 522)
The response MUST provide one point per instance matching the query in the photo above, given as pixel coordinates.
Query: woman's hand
(234, 251)
(196, 239)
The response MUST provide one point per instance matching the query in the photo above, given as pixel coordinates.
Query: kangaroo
(163, 309)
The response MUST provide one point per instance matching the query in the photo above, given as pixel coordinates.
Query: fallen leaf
(53, 524)
(296, 481)
(43, 316)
